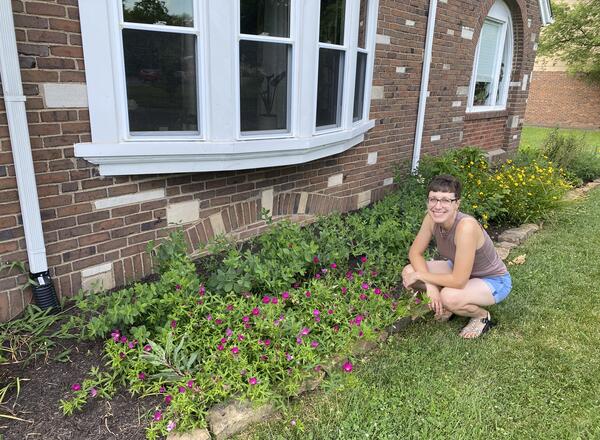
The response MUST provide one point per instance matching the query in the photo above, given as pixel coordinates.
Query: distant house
(121, 119)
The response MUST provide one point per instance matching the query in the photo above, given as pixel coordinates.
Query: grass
(534, 136)
(536, 375)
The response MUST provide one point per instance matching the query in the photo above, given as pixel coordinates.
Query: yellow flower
(474, 206)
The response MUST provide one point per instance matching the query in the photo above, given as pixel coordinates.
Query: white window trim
(220, 145)
(499, 12)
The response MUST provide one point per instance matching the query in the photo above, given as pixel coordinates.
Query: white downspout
(14, 100)
(424, 84)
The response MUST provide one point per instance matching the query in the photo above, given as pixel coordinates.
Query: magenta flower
(264, 358)
(148, 348)
(288, 356)
(316, 312)
(123, 339)
(365, 286)
(173, 323)
(218, 321)
(330, 312)
(122, 355)
(317, 276)
(324, 270)
(316, 260)
(344, 290)
(76, 387)
(314, 344)
(178, 287)
(190, 383)
(228, 332)
(296, 285)
(229, 307)
(252, 381)
(377, 291)
(307, 293)
(363, 297)
(285, 295)
(209, 317)
(181, 389)
(220, 347)
(274, 300)
(245, 318)
(317, 319)
(157, 416)
(347, 367)
(336, 328)
(171, 425)
(256, 311)
(304, 331)
(115, 335)
(241, 337)
(363, 259)
(267, 342)
(266, 299)
(223, 340)
(417, 300)
(131, 344)
(360, 334)
(360, 273)
(374, 273)
(93, 392)
(235, 350)
(162, 389)
(201, 290)
(168, 399)
(333, 266)
(141, 376)
(299, 340)
(318, 368)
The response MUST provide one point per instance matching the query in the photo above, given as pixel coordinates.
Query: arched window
(493, 61)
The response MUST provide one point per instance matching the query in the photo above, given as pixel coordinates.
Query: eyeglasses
(432, 201)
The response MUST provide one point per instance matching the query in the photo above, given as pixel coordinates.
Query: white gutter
(424, 84)
(14, 100)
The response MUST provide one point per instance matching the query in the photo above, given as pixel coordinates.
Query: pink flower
(115, 335)
(330, 312)
(228, 332)
(190, 383)
(314, 344)
(123, 339)
(229, 307)
(264, 358)
(220, 347)
(307, 293)
(235, 350)
(296, 285)
(122, 355)
(316, 260)
(252, 381)
(293, 422)
(360, 334)
(181, 389)
(316, 312)
(209, 317)
(285, 295)
(417, 300)
(344, 290)
(365, 286)
(246, 318)
(162, 389)
(76, 387)
(173, 323)
(131, 344)
(377, 291)
(317, 276)
(304, 331)
(267, 342)
(289, 357)
(178, 287)
(374, 273)
(93, 392)
(148, 348)
(168, 399)
(299, 340)
(171, 425)
(336, 328)
(363, 297)
(218, 321)
(333, 266)
(360, 273)
(274, 300)
(201, 290)
(317, 319)
(241, 337)
(256, 311)
(141, 376)
(363, 259)
(347, 367)
(223, 340)
(157, 416)
(318, 368)
(323, 270)
(266, 300)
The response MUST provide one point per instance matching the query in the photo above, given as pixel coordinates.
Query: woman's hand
(436, 301)
(410, 279)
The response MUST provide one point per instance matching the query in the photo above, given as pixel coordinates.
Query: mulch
(45, 382)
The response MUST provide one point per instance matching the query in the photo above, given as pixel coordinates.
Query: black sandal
(475, 327)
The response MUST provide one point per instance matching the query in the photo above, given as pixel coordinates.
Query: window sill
(474, 115)
(162, 157)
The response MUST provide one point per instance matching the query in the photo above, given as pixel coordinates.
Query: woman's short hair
(445, 183)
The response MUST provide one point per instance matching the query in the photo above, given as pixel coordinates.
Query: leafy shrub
(573, 154)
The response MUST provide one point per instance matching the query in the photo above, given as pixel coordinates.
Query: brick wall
(559, 99)
(86, 239)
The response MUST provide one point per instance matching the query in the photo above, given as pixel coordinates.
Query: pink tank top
(487, 263)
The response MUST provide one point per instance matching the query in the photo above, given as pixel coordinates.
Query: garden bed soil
(42, 386)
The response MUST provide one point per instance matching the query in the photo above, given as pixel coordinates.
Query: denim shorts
(500, 285)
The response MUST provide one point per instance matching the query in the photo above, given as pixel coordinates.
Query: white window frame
(500, 14)
(219, 145)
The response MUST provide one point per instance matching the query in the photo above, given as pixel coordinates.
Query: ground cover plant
(535, 375)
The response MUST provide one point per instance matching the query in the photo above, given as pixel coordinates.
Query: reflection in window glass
(265, 17)
(329, 88)
(486, 62)
(169, 12)
(160, 75)
(332, 21)
(362, 23)
(264, 85)
(359, 86)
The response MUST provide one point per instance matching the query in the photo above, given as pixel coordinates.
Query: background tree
(574, 37)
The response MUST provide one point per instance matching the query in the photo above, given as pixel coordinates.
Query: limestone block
(266, 200)
(335, 180)
(388, 181)
(302, 203)
(467, 33)
(216, 221)
(98, 278)
(364, 198)
(382, 39)
(63, 95)
(502, 252)
(183, 212)
(197, 434)
(231, 418)
(512, 236)
(496, 156)
(372, 158)
(506, 244)
(377, 92)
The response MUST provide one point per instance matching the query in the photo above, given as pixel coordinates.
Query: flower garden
(256, 320)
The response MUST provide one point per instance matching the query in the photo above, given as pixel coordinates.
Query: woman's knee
(407, 269)
(451, 299)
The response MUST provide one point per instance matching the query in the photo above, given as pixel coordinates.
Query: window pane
(362, 24)
(265, 17)
(359, 86)
(171, 12)
(332, 21)
(329, 88)
(264, 85)
(160, 75)
(486, 62)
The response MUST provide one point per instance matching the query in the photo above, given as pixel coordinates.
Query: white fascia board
(546, 12)
(183, 157)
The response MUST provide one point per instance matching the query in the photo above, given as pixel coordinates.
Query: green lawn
(534, 376)
(534, 136)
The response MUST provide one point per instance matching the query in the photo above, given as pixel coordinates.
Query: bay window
(208, 85)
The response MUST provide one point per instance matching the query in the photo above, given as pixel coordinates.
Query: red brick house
(122, 119)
